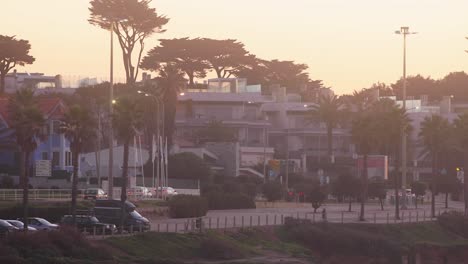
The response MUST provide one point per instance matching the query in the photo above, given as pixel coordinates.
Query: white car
(20, 225)
(40, 224)
(167, 191)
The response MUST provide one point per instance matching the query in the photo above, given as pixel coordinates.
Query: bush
(273, 191)
(215, 249)
(222, 201)
(185, 206)
(454, 222)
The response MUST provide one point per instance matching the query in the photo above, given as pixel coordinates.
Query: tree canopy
(133, 21)
(187, 165)
(13, 52)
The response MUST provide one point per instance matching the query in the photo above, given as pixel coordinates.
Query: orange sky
(349, 44)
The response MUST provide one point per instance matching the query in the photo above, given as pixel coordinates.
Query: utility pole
(110, 177)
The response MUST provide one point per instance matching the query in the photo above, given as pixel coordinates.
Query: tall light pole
(404, 31)
(111, 111)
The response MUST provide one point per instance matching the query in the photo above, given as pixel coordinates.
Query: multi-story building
(52, 154)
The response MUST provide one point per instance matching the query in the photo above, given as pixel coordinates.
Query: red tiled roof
(49, 106)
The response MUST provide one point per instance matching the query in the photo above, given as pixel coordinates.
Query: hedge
(222, 201)
(185, 206)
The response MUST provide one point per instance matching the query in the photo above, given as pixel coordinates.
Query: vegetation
(13, 52)
(377, 190)
(78, 126)
(27, 123)
(127, 120)
(132, 21)
(317, 197)
(418, 189)
(187, 165)
(186, 206)
(273, 191)
(461, 132)
(434, 131)
(346, 186)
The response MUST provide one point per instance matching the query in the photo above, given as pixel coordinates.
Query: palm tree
(363, 134)
(27, 123)
(434, 135)
(392, 123)
(461, 132)
(78, 127)
(127, 119)
(329, 111)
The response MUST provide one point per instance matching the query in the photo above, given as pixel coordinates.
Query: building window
(45, 156)
(68, 158)
(55, 158)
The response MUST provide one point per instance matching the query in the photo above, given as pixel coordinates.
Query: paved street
(336, 213)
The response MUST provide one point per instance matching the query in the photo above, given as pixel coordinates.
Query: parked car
(88, 223)
(167, 192)
(94, 194)
(40, 223)
(139, 192)
(110, 211)
(6, 228)
(20, 225)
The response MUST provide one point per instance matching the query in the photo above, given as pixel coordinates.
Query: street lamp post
(404, 31)
(110, 179)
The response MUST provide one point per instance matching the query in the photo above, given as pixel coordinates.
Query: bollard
(342, 217)
(250, 220)
(217, 223)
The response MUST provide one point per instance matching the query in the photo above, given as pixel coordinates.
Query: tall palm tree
(27, 123)
(363, 135)
(329, 111)
(461, 132)
(127, 119)
(434, 135)
(78, 126)
(392, 123)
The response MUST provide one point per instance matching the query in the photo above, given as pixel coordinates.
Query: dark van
(110, 211)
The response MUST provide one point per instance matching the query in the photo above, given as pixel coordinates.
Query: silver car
(20, 225)
(40, 224)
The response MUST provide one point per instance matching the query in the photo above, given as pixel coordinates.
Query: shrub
(273, 191)
(454, 222)
(185, 206)
(211, 248)
(222, 201)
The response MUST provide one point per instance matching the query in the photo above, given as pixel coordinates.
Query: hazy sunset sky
(349, 44)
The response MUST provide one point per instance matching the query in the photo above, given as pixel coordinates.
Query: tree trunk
(2, 83)
(350, 201)
(381, 204)
(123, 194)
(434, 172)
(74, 185)
(27, 156)
(364, 188)
(396, 181)
(330, 143)
(191, 77)
(465, 181)
(446, 200)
